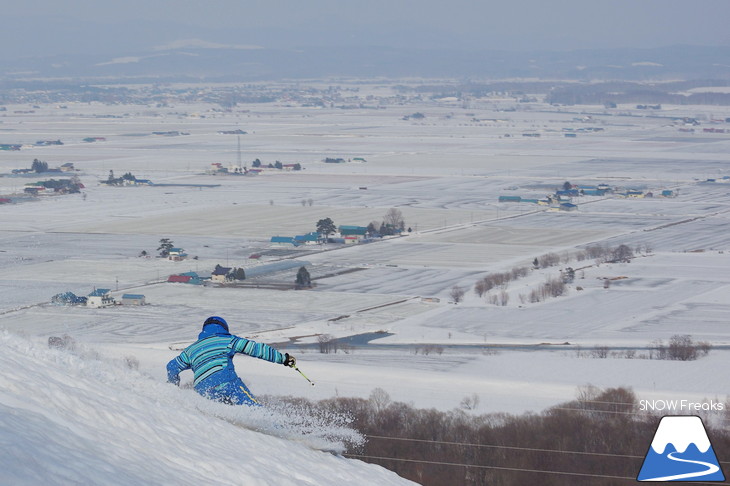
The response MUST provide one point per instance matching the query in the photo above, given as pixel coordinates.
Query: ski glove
(290, 361)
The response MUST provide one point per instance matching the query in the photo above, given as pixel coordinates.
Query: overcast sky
(39, 27)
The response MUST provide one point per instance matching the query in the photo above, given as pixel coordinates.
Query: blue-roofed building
(133, 299)
(568, 207)
(353, 230)
(187, 277)
(283, 241)
(176, 254)
(352, 234)
(308, 239)
(100, 298)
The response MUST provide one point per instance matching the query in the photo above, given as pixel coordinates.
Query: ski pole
(305, 376)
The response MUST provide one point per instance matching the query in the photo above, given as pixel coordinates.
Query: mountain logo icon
(681, 451)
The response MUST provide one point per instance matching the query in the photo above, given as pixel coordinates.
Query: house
(352, 234)
(593, 191)
(176, 254)
(133, 299)
(568, 207)
(99, 298)
(68, 298)
(188, 277)
(283, 241)
(220, 273)
(308, 239)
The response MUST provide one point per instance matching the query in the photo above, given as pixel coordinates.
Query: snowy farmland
(445, 174)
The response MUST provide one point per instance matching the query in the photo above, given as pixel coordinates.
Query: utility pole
(240, 165)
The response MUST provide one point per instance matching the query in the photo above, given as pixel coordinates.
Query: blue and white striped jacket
(211, 358)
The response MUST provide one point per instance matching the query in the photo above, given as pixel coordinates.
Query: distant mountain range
(203, 60)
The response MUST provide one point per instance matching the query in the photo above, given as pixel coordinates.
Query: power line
(514, 448)
(499, 468)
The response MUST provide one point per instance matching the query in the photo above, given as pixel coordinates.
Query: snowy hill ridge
(76, 418)
(680, 431)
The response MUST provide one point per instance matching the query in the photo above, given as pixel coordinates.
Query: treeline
(618, 92)
(553, 286)
(598, 439)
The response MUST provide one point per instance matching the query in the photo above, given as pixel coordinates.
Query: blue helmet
(216, 320)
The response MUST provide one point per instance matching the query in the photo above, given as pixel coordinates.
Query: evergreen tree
(303, 278)
(39, 166)
(326, 227)
(165, 246)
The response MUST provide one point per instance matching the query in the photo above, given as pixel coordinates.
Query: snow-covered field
(445, 175)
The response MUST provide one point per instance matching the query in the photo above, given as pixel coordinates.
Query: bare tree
(394, 219)
(480, 288)
(457, 293)
(327, 343)
(380, 399)
(470, 402)
(623, 253)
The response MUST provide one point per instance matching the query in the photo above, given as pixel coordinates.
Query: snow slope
(71, 418)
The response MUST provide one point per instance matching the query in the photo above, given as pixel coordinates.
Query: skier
(211, 359)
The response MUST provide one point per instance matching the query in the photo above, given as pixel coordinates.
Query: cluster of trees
(393, 223)
(39, 166)
(499, 280)
(119, 181)
(596, 439)
(415, 116)
(610, 94)
(235, 273)
(554, 286)
(276, 165)
(681, 347)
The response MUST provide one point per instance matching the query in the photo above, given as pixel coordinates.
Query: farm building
(100, 298)
(220, 273)
(283, 241)
(133, 299)
(353, 234)
(188, 277)
(68, 298)
(308, 239)
(176, 254)
(568, 207)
